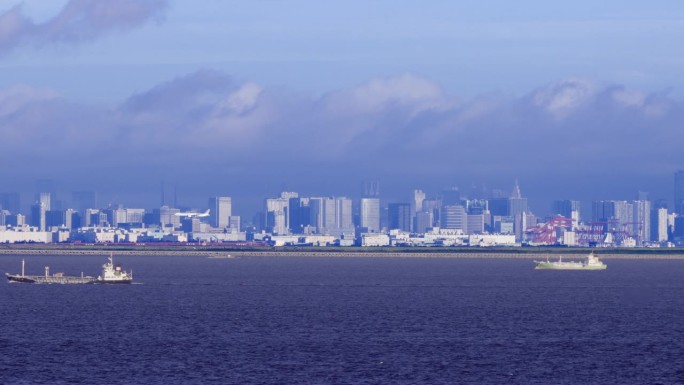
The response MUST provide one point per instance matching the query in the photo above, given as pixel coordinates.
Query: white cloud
(564, 97)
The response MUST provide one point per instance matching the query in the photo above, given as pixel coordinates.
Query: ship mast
(23, 263)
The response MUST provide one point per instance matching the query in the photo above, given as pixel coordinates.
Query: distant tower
(399, 216)
(163, 199)
(516, 190)
(679, 192)
(370, 214)
(371, 189)
(220, 211)
(418, 198)
(517, 208)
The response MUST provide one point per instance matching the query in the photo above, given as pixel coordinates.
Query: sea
(343, 320)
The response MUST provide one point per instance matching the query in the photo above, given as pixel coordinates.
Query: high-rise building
(220, 210)
(276, 215)
(641, 217)
(45, 199)
(423, 221)
(323, 210)
(679, 192)
(516, 203)
(659, 221)
(343, 216)
(454, 217)
(168, 217)
(38, 216)
(475, 223)
(370, 214)
(418, 198)
(399, 216)
(298, 214)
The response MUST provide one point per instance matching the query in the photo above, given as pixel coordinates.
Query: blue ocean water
(344, 321)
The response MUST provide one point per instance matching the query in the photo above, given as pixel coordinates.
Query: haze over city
(248, 99)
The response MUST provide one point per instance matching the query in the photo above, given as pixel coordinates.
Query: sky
(249, 98)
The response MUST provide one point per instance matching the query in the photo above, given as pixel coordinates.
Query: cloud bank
(78, 21)
(208, 131)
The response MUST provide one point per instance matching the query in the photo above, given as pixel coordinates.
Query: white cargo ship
(591, 262)
(110, 274)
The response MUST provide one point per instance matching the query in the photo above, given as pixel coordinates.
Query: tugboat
(58, 278)
(590, 263)
(113, 273)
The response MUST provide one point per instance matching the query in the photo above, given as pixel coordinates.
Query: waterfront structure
(220, 210)
(374, 240)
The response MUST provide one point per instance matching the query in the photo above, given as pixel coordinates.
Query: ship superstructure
(113, 273)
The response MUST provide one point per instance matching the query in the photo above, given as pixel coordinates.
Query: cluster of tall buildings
(639, 222)
(48, 217)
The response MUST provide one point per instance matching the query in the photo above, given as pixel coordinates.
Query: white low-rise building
(24, 234)
(489, 240)
(375, 239)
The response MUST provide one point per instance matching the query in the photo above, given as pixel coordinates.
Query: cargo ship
(110, 274)
(591, 262)
(57, 278)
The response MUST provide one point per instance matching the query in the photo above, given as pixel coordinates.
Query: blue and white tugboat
(113, 273)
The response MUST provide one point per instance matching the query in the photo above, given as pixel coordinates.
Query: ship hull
(63, 280)
(547, 266)
(120, 282)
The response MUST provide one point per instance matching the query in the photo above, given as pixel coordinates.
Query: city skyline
(167, 195)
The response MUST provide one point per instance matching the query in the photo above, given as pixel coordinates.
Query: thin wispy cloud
(78, 21)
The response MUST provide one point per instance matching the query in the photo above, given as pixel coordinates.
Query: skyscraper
(370, 214)
(455, 217)
(399, 216)
(220, 210)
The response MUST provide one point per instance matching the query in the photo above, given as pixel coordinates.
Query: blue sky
(558, 95)
(469, 47)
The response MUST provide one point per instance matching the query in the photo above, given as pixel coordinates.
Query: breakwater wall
(351, 253)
